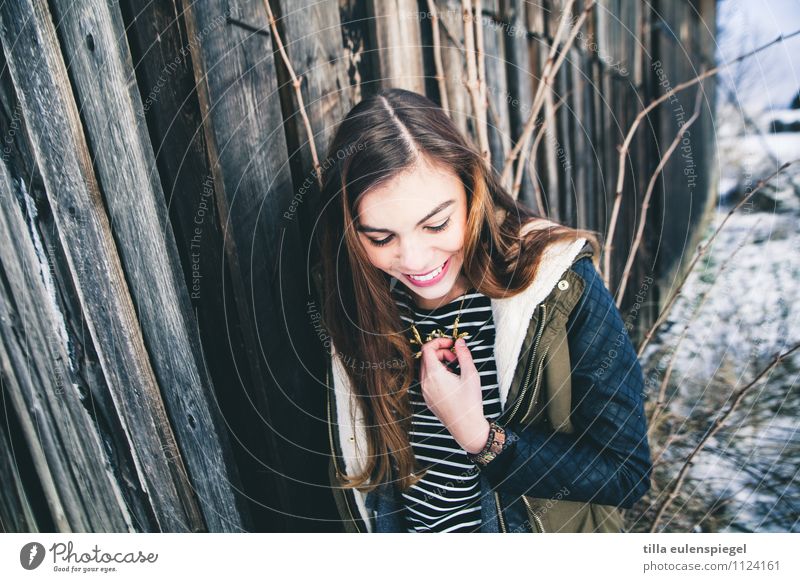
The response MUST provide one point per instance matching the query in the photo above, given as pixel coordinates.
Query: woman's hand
(456, 400)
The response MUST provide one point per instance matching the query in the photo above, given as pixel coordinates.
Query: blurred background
(738, 310)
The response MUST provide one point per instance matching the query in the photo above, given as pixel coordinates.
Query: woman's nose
(412, 258)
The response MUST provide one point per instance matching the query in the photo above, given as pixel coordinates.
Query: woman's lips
(432, 281)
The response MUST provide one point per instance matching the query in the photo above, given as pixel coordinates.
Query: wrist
(477, 440)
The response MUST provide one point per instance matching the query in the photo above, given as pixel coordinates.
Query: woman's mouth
(430, 278)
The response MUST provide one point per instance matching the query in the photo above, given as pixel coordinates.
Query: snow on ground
(751, 314)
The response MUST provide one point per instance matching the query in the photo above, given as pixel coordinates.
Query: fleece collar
(511, 318)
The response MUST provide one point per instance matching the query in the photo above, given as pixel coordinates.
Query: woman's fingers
(464, 356)
(437, 353)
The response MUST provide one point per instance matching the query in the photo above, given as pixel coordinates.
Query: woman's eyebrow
(437, 210)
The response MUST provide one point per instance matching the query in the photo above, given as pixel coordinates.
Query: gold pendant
(417, 339)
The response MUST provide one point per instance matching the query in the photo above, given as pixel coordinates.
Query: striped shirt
(448, 497)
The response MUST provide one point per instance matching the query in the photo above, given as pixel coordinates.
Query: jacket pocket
(562, 516)
(558, 380)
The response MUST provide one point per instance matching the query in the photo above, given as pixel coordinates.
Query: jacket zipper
(500, 513)
(532, 513)
(538, 384)
(521, 397)
(333, 451)
(534, 399)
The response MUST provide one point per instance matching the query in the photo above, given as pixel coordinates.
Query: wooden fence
(159, 369)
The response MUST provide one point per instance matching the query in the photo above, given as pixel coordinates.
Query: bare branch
(701, 250)
(473, 81)
(737, 397)
(649, 192)
(549, 71)
(661, 403)
(623, 149)
(296, 82)
(437, 56)
(456, 42)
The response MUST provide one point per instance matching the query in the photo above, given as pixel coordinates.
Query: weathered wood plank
(495, 38)
(312, 39)
(237, 88)
(160, 50)
(520, 84)
(87, 376)
(93, 34)
(16, 511)
(355, 33)
(396, 38)
(39, 73)
(453, 63)
(583, 157)
(37, 367)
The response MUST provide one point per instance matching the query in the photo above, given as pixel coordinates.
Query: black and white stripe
(447, 498)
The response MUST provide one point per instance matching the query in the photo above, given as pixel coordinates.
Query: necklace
(417, 339)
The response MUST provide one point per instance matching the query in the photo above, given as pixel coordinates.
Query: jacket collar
(511, 316)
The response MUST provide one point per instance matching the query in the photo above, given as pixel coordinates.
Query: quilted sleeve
(606, 460)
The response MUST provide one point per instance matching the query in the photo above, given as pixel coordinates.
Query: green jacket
(579, 447)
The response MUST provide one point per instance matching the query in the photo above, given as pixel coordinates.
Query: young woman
(480, 378)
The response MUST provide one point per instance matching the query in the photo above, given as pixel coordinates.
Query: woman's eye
(388, 239)
(441, 226)
(380, 243)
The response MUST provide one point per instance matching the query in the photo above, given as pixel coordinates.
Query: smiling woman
(417, 237)
(423, 215)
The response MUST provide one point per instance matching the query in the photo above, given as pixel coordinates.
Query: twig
(737, 397)
(672, 437)
(649, 192)
(701, 250)
(623, 149)
(549, 71)
(538, 99)
(537, 189)
(473, 81)
(296, 82)
(481, 57)
(458, 44)
(437, 56)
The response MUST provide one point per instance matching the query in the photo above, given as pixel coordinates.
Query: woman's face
(413, 228)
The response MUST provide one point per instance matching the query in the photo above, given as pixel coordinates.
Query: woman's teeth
(430, 275)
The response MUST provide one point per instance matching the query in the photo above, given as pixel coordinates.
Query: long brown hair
(380, 137)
